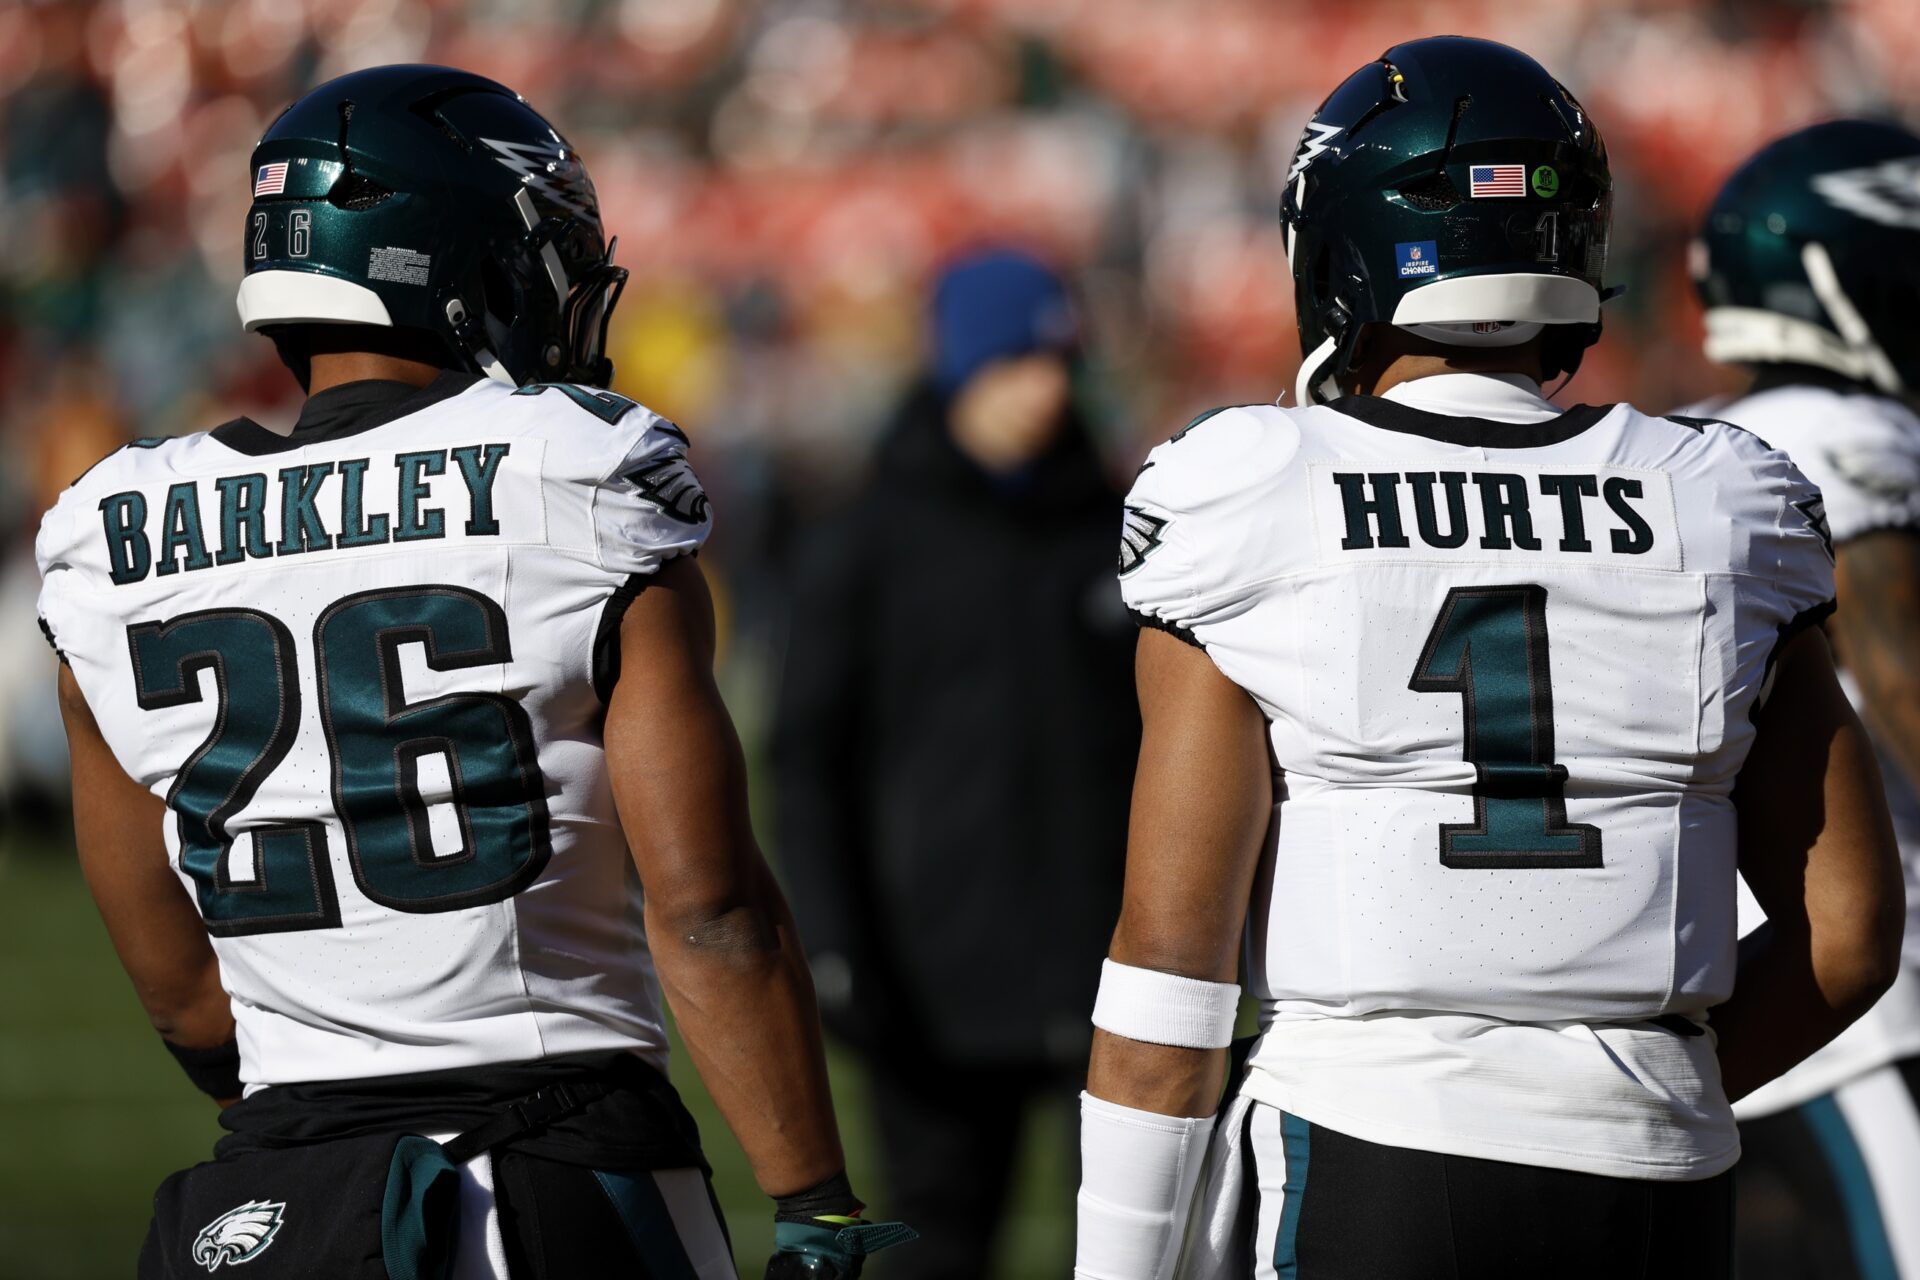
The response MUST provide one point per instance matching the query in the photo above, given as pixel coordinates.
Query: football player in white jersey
(399, 768)
(1467, 707)
(1808, 264)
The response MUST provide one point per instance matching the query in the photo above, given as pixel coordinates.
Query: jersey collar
(345, 410)
(1499, 397)
(1480, 410)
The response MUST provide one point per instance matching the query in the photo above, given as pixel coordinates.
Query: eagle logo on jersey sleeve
(669, 483)
(1815, 510)
(1139, 535)
(238, 1235)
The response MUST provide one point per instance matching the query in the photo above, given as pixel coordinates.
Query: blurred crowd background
(784, 178)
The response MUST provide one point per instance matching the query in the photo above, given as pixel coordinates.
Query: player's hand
(830, 1247)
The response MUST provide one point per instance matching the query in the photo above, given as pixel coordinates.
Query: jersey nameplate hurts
(1416, 512)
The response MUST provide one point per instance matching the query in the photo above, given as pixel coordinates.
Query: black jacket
(955, 744)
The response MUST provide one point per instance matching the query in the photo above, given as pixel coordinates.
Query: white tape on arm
(1138, 1174)
(1165, 1008)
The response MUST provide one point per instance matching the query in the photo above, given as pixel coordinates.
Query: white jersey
(1864, 453)
(1508, 656)
(364, 665)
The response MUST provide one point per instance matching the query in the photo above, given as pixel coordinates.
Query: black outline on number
(406, 783)
(1533, 601)
(247, 783)
(497, 649)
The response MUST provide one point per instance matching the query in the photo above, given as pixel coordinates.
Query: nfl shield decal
(238, 1235)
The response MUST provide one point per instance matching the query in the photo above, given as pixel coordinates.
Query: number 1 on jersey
(1489, 645)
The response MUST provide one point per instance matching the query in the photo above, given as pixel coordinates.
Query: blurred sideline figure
(1809, 268)
(423, 684)
(1533, 681)
(75, 424)
(954, 744)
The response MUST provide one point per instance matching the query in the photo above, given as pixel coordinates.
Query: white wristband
(1138, 1174)
(1165, 1008)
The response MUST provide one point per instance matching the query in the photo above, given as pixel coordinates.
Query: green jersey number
(608, 406)
(256, 687)
(375, 739)
(1489, 645)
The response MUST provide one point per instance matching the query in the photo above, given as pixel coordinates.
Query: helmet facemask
(545, 302)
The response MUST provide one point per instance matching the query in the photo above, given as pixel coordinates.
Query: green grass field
(93, 1112)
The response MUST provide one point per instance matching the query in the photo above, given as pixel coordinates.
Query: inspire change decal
(1417, 258)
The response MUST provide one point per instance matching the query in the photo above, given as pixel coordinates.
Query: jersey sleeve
(1195, 515)
(1862, 453)
(1792, 553)
(62, 590)
(648, 505)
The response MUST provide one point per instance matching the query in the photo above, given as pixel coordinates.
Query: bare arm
(1817, 849)
(728, 954)
(1876, 636)
(1202, 799)
(153, 924)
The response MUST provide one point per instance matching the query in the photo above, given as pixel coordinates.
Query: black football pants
(1354, 1210)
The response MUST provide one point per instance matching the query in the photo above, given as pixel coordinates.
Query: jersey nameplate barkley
(1499, 512)
(336, 505)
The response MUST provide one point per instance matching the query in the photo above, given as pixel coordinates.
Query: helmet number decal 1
(1547, 233)
(1535, 235)
(259, 235)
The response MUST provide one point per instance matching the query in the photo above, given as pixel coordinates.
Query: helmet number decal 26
(299, 234)
(1489, 645)
(481, 743)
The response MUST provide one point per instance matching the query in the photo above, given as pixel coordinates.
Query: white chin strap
(482, 355)
(1314, 384)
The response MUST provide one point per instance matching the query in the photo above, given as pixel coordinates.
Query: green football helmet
(430, 199)
(1810, 255)
(1454, 188)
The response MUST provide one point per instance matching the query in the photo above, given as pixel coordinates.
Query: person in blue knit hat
(953, 753)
